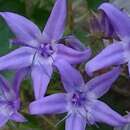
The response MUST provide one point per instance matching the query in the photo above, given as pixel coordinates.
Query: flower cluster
(42, 53)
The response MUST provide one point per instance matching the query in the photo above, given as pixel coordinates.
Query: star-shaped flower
(118, 52)
(9, 99)
(40, 50)
(80, 102)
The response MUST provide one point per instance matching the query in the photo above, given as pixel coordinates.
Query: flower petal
(6, 92)
(71, 78)
(73, 42)
(18, 78)
(129, 67)
(75, 122)
(101, 84)
(56, 23)
(3, 120)
(52, 104)
(119, 20)
(23, 28)
(41, 75)
(114, 54)
(125, 127)
(5, 112)
(103, 113)
(17, 117)
(71, 55)
(22, 42)
(17, 59)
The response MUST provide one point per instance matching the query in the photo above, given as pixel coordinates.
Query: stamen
(88, 119)
(32, 63)
(78, 99)
(46, 50)
(34, 58)
(96, 125)
(52, 58)
(40, 64)
(84, 117)
(66, 117)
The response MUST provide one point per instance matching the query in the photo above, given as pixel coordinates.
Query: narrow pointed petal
(119, 20)
(100, 85)
(22, 42)
(125, 127)
(18, 78)
(41, 75)
(21, 27)
(128, 116)
(3, 120)
(52, 104)
(75, 122)
(114, 54)
(6, 92)
(103, 113)
(17, 59)
(129, 67)
(74, 42)
(4, 83)
(5, 112)
(71, 78)
(71, 55)
(54, 28)
(17, 117)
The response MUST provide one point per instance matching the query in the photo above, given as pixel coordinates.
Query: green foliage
(93, 4)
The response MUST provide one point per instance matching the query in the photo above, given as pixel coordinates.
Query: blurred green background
(38, 11)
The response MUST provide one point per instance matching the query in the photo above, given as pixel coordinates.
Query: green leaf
(4, 38)
(93, 4)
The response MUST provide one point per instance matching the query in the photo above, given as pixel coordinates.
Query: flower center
(46, 50)
(78, 99)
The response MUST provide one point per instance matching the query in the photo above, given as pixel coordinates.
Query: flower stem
(28, 8)
(49, 122)
(70, 19)
(11, 125)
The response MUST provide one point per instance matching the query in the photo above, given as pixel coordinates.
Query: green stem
(28, 8)
(11, 125)
(70, 18)
(49, 122)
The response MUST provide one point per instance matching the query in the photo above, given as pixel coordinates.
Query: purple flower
(40, 50)
(115, 20)
(126, 126)
(73, 42)
(80, 101)
(117, 53)
(9, 99)
(100, 25)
